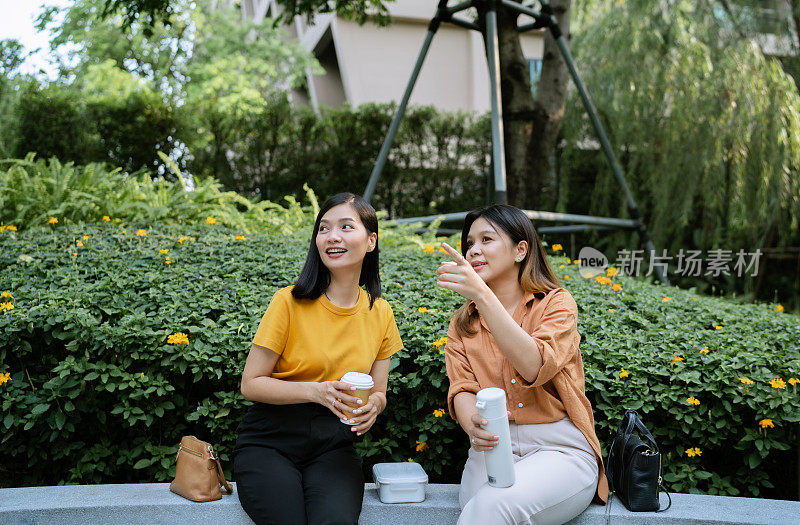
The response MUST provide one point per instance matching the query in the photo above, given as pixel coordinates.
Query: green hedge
(97, 395)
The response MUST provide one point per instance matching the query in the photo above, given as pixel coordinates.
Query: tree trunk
(531, 127)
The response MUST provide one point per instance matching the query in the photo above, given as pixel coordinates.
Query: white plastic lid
(358, 380)
(407, 472)
(491, 402)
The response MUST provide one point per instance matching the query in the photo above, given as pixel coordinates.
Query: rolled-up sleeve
(459, 370)
(557, 337)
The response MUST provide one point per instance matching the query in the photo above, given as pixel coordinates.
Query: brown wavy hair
(535, 272)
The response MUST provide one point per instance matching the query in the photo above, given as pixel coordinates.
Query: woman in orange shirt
(518, 331)
(294, 460)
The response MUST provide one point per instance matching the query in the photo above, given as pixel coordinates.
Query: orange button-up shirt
(476, 362)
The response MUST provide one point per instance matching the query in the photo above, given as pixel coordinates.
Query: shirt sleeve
(273, 330)
(459, 370)
(557, 337)
(391, 340)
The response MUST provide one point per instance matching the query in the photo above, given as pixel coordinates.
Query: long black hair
(315, 277)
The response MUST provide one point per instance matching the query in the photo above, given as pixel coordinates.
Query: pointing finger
(457, 257)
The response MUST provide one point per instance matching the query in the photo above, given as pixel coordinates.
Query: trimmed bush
(97, 394)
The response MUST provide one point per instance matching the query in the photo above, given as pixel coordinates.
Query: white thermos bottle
(491, 405)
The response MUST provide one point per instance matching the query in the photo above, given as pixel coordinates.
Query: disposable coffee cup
(363, 384)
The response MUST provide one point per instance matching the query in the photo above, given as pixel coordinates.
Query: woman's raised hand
(459, 276)
(333, 395)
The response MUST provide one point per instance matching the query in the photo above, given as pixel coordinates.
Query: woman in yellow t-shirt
(294, 460)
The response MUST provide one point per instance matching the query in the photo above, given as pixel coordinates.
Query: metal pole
(401, 108)
(498, 148)
(555, 30)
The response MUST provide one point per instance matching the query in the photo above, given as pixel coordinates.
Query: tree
(532, 124)
(707, 129)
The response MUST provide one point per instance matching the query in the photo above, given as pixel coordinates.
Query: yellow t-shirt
(319, 341)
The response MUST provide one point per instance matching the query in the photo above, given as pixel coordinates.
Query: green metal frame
(542, 19)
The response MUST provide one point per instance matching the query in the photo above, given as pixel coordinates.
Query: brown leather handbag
(198, 474)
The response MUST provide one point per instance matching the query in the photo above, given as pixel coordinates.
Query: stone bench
(154, 503)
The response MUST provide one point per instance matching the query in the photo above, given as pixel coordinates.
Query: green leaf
(40, 408)
(142, 463)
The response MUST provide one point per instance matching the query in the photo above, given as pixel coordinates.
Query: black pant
(295, 464)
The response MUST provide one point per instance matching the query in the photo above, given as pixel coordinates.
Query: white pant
(556, 478)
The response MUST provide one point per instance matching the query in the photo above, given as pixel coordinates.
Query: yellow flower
(398, 284)
(779, 308)
(766, 423)
(178, 338)
(5, 377)
(422, 446)
(441, 352)
(718, 327)
(106, 218)
(676, 358)
(53, 220)
(6, 307)
(11, 228)
(611, 310)
(79, 243)
(704, 350)
(428, 248)
(557, 248)
(241, 238)
(124, 231)
(167, 261)
(182, 240)
(623, 373)
(441, 341)
(793, 381)
(745, 381)
(74, 254)
(422, 309)
(692, 452)
(566, 277)
(140, 233)
(692, 400)
(602, 279)
(561, 267)
(666, 299)
(7, 294)
(410, 460)
(611, 272)
(163, 251)
(616, 287)
(777, 383)
(85, 237)
(439, 412)
(211, 220)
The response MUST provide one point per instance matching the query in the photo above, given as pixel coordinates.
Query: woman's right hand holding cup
(481, 439)
(333, 395)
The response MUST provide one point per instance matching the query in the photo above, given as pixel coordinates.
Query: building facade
(369, 63)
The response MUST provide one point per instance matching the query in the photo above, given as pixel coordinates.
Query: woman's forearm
(274, 391)
(464, 407)
(516, 344)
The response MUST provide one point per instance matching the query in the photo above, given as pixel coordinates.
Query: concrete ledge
(154, 503)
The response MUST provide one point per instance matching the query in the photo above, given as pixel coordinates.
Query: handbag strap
(662, 488)
(226, 486)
